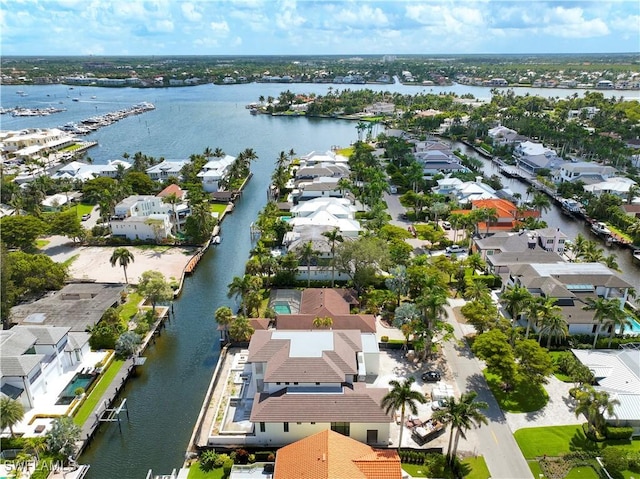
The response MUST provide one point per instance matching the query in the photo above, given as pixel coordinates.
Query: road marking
(494, 436)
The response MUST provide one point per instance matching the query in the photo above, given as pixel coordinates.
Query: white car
(454, 249)
(446, 225)
(439, 404)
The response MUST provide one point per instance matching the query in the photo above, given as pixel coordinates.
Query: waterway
(165, 398)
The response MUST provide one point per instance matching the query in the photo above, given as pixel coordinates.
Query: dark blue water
(165, 399)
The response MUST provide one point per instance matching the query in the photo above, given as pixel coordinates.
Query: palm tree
(541, 203)
(11, 413)
(515, 299)
(539, 308)
(604, 309)
(579, 246)
(617, 318)
(224, 316)
(553, 326)
(592, 253)
(173, 200)
(241, 329)
(402, 397)
(594, 404)
(122, 257)
(243, 286)
(322, 322)
(333, 237)
(307, 254)
(461, 415)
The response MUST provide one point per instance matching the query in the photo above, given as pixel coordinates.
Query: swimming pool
(282, 308)
(83, 381)
(635, 328)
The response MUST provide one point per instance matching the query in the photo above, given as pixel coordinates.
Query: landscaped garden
(566, 452)
(470, 468)
(527, 397)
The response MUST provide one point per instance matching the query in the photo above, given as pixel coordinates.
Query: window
(372, 436)
(286, 426)
(341, 427)
(262, 427)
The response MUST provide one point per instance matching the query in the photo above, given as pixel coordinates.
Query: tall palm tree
(617, 319)
(307, 254)
(594, 404)
(224, 316)
(402, 397)
(333, 237)
(604, 309)
(122, 257)
(11, 413)
(173, 200)
(461, 415)
(541, 202)
(539, 308)
(515, 299)
(242, 287)
(322, 322)
(553, 326)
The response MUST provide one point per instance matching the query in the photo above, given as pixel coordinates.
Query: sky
(317, 27)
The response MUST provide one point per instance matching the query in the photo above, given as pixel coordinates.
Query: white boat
(600, 228)
(636, 256)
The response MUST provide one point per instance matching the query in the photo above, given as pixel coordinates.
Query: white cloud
(161, 26)
(365, 15)
(190, 12)
(220, 28)
(570, 23)
(289, 19)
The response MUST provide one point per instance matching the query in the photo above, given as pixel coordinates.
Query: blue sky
(290, 27)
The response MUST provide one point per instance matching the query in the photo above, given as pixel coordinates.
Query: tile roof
(321, 301)
(330, 455)
(358, 405)
(365, 323)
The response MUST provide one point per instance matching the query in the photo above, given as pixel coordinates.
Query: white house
(617, 372)
(76, 170)
(532, 156)
(214, 171)
(32, 356)
(306, 382)
(167, 169)
(616, 185)
(585, 171)
(142, 217)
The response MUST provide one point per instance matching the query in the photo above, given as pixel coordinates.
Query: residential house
(214, 171)
(318, 188)
(616, 185)
(56, 202)
(587, 112)
(617, 372)
(501, 135)
(144, 217)
(180, 210)
(571, 284)
(329, 455)
(532, 157)
(166, 169)
(585, 171)
(632, 210)
(439, 162)
(507, 215)
(524, 241)
(303, 307)
(465, 192)
(306, 382)
(31, 355)
(78, 171)
(34, 143)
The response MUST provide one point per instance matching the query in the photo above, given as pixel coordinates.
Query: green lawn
(218, 208)
(555, 356)
(524, 398)
(196, 473)
(70, 260)
(83, 209)
(479, 469)
(413, 469)
(96, 393)
(130, 308)
(582, 472)
(42, 243)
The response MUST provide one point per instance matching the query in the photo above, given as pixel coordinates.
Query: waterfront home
(56, 202)
(525, 241)
(306, 382)
(318, 188)
(77, 306)
(616, 185)
(465, 191)
(166, 169)
(506, 219)
(585, 171)
(328, 454)
(436, 162)
(587, 112)
(501, 135)
(328, 157)
(32, 356)
(532, 157)
(297, 310)
(153, 227)
(617, 372)
(34, 143)
(78, 171)
(214, 171)
(571, 284)
(148, 217)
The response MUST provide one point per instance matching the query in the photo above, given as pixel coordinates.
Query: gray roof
(46, 334)
(75, 306)
(509, 258)
(15, 342)
(18, 366)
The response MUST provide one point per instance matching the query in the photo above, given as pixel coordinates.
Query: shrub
(634, 460)
(384, 339)
(252, 458)
(208, 459)
(271, 457)
(227, 466)
(220, 460)
(618, 432)
(435, 464)
(262, 456)
(615, 459)
(241, 456)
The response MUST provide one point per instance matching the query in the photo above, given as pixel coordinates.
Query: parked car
(446, 225)
(439, 404)
(86, 216)
(431, 376)
(454, 249)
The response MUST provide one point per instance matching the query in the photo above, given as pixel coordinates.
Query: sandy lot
(92, 262)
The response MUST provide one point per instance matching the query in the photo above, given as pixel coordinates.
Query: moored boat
(636, 256)
(600, 228)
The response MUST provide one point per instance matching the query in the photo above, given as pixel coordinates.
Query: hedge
(618, 432)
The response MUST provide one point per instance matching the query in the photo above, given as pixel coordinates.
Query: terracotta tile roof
(505, 208)
(173, 188)
(330, 455)
(323, 302)
(358, 405)
(365, 323)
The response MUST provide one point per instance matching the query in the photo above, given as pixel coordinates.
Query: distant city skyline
(306, 27)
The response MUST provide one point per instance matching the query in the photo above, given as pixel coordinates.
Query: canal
(555, 219)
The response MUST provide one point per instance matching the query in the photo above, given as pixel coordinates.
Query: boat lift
(113, 414)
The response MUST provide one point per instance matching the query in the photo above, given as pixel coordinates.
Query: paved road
(494, 441)
(396, 210)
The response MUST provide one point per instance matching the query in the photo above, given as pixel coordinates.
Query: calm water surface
(164, 400)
